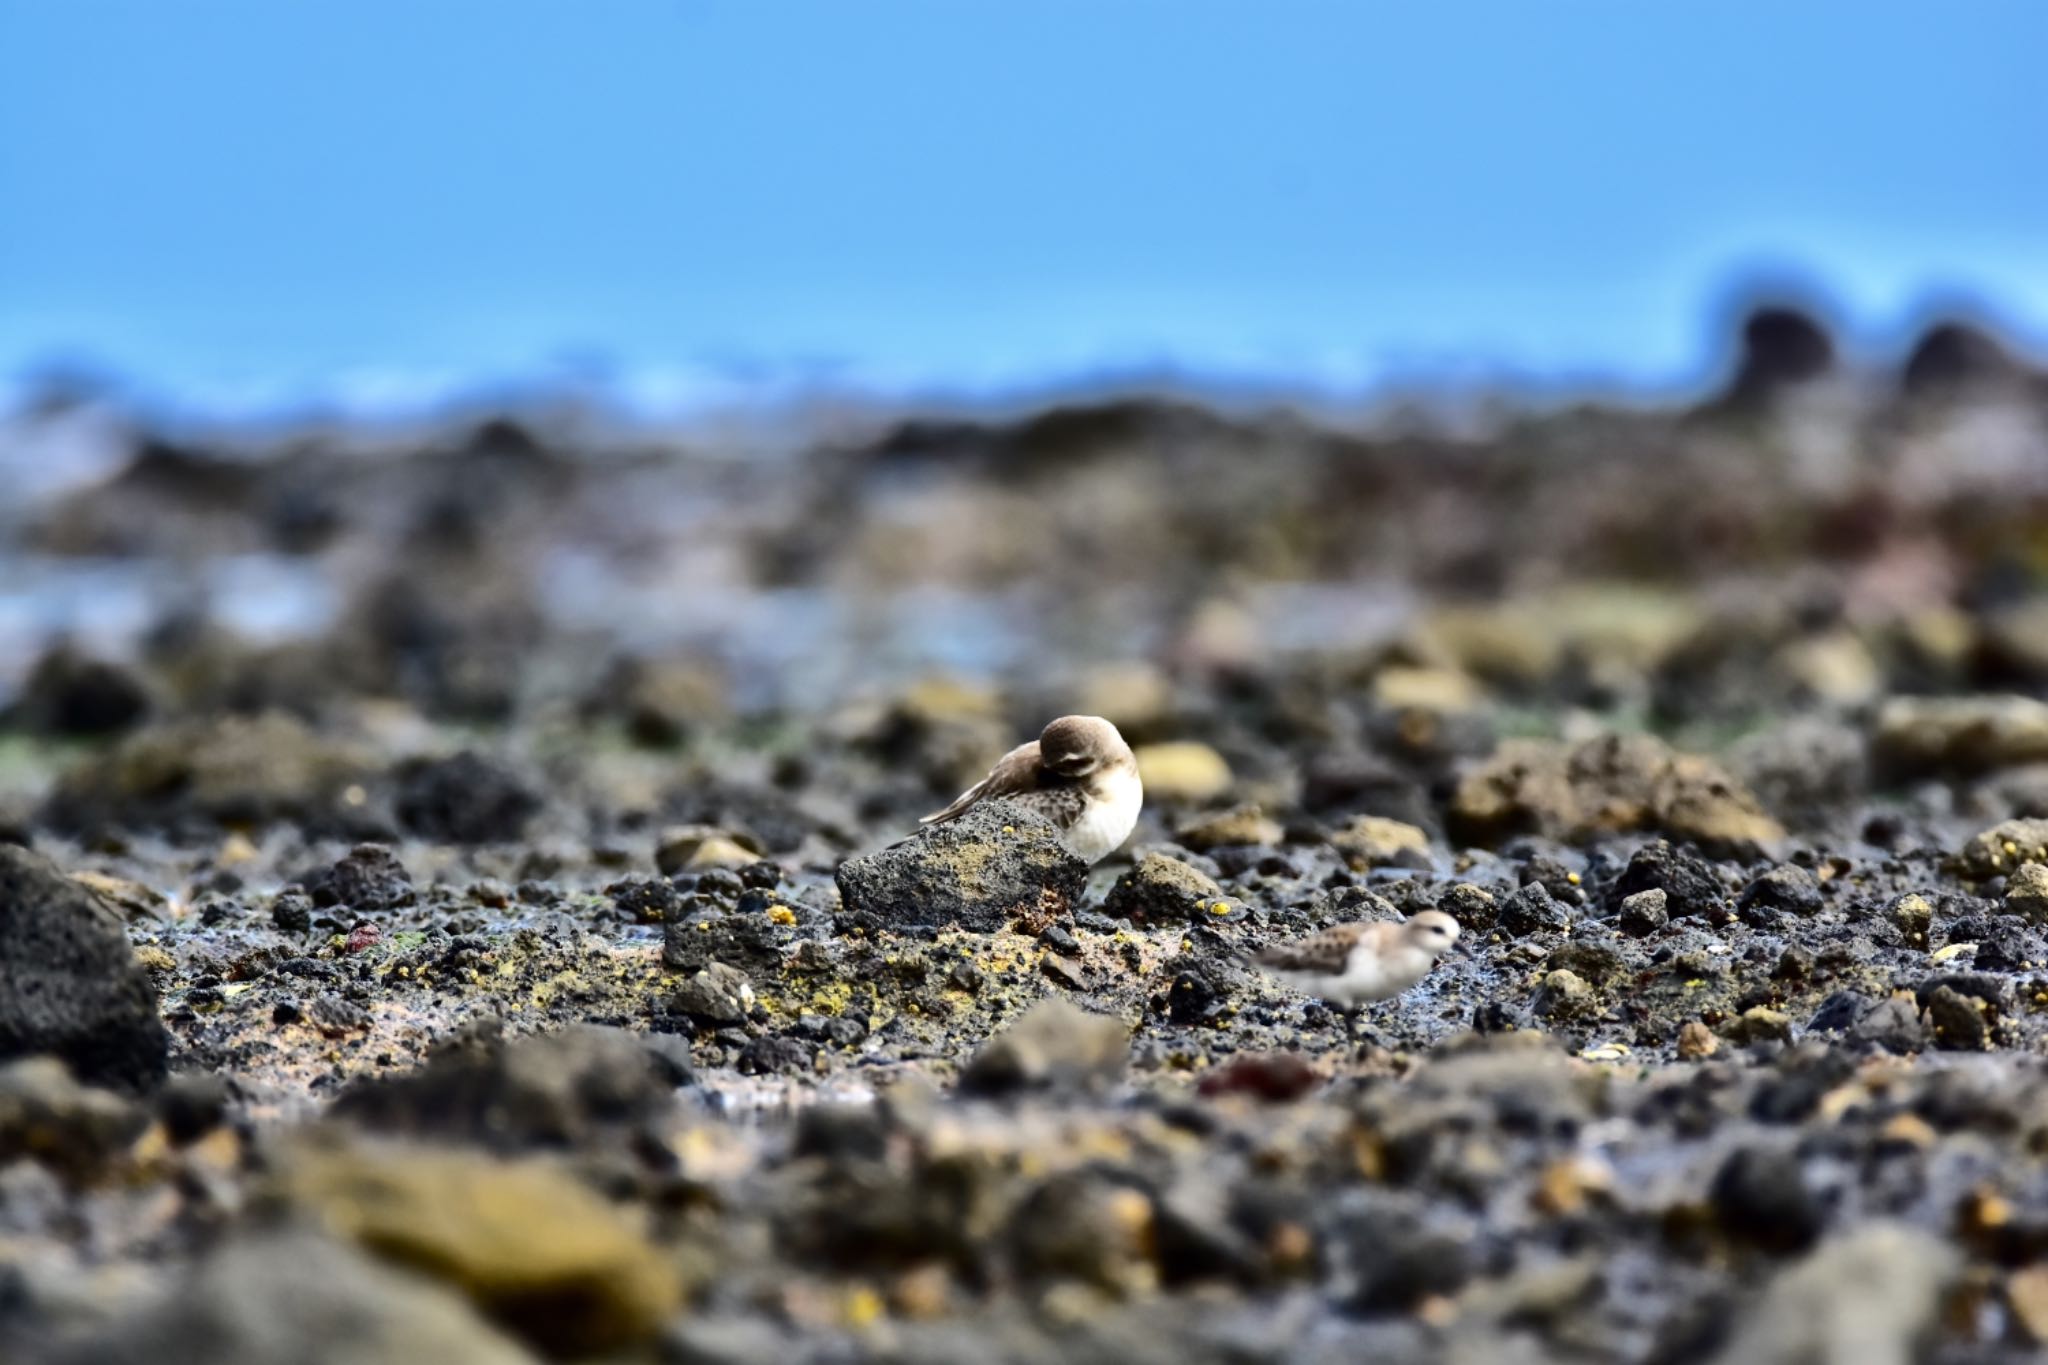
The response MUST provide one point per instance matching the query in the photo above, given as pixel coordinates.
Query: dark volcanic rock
(1163, 889)
(234, 770)
(996, 862)
(1645, 912)
(1782, 347)
(369, 879)
(1689, 885)
(1760, 1196)
(718, 994)
(1783, 890)
(1531, 911)
(1389, 1254)
(1954, 359)
(69, 983)
(69, 693)
(1055, 1046)
(465, 799)
(554, 1090)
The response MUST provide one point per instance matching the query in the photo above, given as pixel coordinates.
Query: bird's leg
(1350, 1016)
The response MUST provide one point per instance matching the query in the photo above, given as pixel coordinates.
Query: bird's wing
(1324, 951)
(1016, 771)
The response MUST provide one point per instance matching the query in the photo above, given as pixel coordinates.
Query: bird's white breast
(1106, 818)
(1375, 973)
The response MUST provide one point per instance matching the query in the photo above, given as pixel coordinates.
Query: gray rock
(1644, 913)
(1956, 1020)
(1564, 995)
(554, 1090)
(1785, 890)
(1760, 1196)
(299, 1296)
(1871, 1296)
(1892, 1024)
(996, 862)
(1689, 883)
(1056, 1046)
(49, 1117)
(69, 982)
(464, 799)
(1390, 1250)
(1163, 889)
(717, 995)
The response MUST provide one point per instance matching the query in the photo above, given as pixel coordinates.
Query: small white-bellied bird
(1351, 965)
(1078, 773)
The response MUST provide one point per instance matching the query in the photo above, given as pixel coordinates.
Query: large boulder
(69, 982)
(994, 863)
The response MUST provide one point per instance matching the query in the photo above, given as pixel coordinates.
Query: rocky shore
(523, 959)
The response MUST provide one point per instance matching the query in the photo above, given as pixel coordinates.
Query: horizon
(238, 211)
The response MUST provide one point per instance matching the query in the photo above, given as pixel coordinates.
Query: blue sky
(248, 201)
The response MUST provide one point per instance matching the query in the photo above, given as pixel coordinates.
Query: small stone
(1691, 886)
(1056, 1046)
(1473, 907)
(701, 848)
(2026, 891)
(464, 799)
(69, 982)
(1564, 995)
(555, 1090)
(193, 1105)
(1162, 889)
(296, 1295)
(1760, 1196)
(1696, 1041)
(1892, 1024)
(1610, 784)
(292, 911)
(1913, 914)
(1373, 841)
(48, 1117)
(1783, 890)
(774, 1056)
(133, 901)
(722, 852)
(1238, 827)
(1956, 1021)
(1182, 772)
(1864, 1296)
(2004, 848)
(1644, 913)
(1759, 1024)
(369, 880)
(1959, 736)
(718, 994)
(1274, 1077)
(336, 1017)
(1531, 911)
